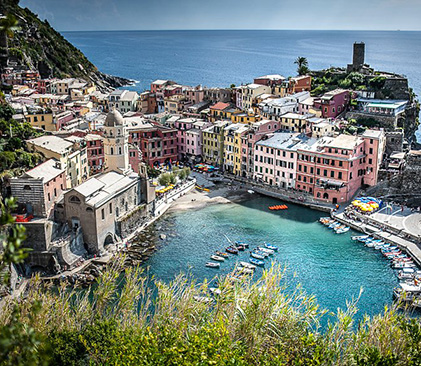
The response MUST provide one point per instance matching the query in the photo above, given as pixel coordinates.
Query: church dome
(114, 118)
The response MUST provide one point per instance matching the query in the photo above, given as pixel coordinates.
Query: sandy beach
(196, 199)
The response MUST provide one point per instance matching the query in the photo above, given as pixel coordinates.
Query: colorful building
(333, 103)
(213, 143)
(233, 146)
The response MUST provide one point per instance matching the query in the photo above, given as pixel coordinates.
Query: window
(103, 214)
(27, 187)
(332, 174)
(340, 175)
(111, 208)
(74, 199)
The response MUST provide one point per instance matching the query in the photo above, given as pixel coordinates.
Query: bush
(166, 179)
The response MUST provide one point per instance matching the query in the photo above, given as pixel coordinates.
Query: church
(110, 205)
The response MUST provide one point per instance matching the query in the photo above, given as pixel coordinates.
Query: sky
(81, 15)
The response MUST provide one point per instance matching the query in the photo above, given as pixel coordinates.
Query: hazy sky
(228, 14)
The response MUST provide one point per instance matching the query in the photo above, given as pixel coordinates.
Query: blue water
(220, 58)
(330, 266)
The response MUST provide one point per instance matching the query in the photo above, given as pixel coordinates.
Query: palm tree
(302, 65)
(8, 25)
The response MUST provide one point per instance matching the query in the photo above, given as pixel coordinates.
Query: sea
(224, 57)
(332, 267)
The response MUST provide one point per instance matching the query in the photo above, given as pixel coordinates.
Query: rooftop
(47, 171)
(376, 134)
(347, 142)
(288, 141)
(52, 143)
(220, 106)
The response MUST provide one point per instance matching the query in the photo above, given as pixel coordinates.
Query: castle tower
(116, 144)
(359, 54)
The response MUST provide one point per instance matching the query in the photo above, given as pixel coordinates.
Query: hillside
(39, 46)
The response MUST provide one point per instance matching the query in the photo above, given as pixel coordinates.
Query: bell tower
(116, 144)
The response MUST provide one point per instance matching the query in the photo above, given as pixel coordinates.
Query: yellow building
(232, 147)
(41, 118)
(294, 122)
(221, 111)
(213, 143)
(247, 118)
(71, 155)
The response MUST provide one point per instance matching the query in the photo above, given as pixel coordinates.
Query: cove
(332, 267)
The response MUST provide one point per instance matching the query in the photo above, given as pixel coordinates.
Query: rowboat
(264, 254)
(241, 247)
(272, 247)
(360, 237)
(222, 254)
(342, 230)
(212, 265)
(247, 265)
(403, 265)
(231, 250)
(217, 258)
(257, 262)
(257, 256)
(266, 250)
(246, 245)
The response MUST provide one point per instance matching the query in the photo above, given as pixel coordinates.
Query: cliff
(40, 47)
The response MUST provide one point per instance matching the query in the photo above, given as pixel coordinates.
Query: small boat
(231, 250)
(222, 254)
(245, 270)
(213, 265)
(266, 250)
(272, 247)
(403, 265)
(257, 256)
(342, 230)
(241, 243)
(257, 262)
(360, 237)
(247, 265)
(203, 299)
(241, 247)
(217, 258)
(250, 191)
(334, 224)
(259, 252)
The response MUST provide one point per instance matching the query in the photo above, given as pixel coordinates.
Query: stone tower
(359, 54)
(116, 144)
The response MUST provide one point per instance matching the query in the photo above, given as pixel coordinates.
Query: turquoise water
(330, 266)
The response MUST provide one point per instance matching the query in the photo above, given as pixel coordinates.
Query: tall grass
(249, 323)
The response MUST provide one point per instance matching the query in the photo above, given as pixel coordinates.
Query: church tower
(116, 144)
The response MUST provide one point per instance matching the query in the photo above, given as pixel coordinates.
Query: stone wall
(394, 142)
(38, 235)
(131, 221)
(387, 122)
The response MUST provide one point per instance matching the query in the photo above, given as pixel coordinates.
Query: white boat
(247, 265)
(250, 191)
(265, 250)
(217, 258)
(403, 265)
(360, 237)
(245, 270)
(259, 252)
(257, 256)
(342, 230)
(213, 265)
(270, 246)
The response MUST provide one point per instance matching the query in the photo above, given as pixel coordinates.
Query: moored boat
(266, 250)
(217, 258)
(360, 237)
(256, 262)
(257, 256)
(264, 254)
(231, 250)
(222, 254)
(272, 247)
(213, 265)
(246, 245)
(215, 290)
(342, 230)
(247, 265)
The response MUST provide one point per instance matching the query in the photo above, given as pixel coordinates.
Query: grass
(250, 323)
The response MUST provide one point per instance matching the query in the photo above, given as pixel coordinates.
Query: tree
(164, 179)
(302, 65)
(8, 25)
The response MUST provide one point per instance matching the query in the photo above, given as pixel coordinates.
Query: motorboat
(217, 258)
(244, 244)
(222, 254)
(231, 250)
(272, 247)
(257, 256)
(247, 265)
(403, 265)
(245, 270)
(213, 265)
(334, 224)
(264, 254)
(360, 237)
(266, 250)
(241, 247)
(257, 262)
(342, 230)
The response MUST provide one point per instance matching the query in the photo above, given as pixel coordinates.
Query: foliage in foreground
(250, 323)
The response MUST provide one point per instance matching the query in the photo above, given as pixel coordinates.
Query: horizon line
(242, 29)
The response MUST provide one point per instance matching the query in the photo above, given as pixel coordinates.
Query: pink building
(333, 103)
(258, 131)
(276, 158)
(62, 119)
(333, 169)
(182, 126)
(194, 95)
(375, 142)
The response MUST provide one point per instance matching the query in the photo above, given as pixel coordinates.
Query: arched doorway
(334, 200)
(325, 196)
(109, 239)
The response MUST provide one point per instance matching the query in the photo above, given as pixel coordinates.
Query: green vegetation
(152, 172)
(249, 323)
(8, 25)
(165, 179)
(183, 173)
(302, 65)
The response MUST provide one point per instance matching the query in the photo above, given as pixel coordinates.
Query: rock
(162, 236)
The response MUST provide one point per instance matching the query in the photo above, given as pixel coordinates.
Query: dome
(114, 118)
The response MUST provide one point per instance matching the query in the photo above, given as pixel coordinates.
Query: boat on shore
(257, 262)
(217, 258)
(213, 265)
